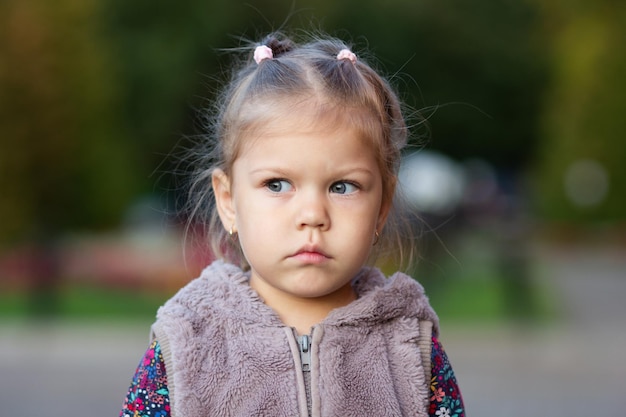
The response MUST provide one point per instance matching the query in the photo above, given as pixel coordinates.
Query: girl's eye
(343, 187)
(278, 186)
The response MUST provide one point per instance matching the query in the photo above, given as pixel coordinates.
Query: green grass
(464, 300)
(83, 302)
(468, 289)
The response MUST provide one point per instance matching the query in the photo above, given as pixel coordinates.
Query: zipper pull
(305, 352)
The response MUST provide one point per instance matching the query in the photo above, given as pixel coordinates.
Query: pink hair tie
(262, 52)
(347, 54)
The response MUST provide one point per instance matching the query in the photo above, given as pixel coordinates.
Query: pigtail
(340, 76)
(273, 73)
(278, 44)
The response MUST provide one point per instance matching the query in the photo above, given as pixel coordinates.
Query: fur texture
(228, 354)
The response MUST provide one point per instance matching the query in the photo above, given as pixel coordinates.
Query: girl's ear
(223, 198)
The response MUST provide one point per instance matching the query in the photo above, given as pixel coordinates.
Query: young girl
(289, 321)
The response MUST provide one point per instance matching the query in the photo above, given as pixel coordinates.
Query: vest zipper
(304, 344)
(305, 352)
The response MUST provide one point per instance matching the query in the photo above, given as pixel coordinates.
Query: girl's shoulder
(382, 299)
(220, 294)
(218, 281)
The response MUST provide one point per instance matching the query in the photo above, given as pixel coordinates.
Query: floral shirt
(446, 400)
(148, 395)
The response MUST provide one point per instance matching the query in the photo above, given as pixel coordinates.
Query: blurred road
(574, 367)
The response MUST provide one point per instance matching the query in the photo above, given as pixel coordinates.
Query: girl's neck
(303, 313)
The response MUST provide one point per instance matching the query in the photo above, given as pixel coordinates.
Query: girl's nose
(313, 212)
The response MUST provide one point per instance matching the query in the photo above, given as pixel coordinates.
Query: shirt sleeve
(445, 400)
(148, 394)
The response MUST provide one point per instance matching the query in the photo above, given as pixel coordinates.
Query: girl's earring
(232, 232)
(376, 237)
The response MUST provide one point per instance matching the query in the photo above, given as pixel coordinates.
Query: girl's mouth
(310, 255)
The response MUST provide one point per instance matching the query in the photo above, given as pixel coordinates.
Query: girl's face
(306, 206)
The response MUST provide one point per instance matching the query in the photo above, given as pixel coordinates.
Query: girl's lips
(310, 255)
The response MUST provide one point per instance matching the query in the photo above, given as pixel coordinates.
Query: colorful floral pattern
(445, 400)
(148, 395)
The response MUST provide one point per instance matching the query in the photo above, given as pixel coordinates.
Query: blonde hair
(300, 76)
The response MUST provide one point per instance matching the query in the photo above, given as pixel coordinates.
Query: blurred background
(518, 174)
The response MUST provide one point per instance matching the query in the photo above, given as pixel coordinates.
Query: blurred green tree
(64, 161)
(580, 176)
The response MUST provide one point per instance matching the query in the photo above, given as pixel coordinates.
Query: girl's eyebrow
(268, 170)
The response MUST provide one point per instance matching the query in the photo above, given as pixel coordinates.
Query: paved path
(62, 369)
(573, 368)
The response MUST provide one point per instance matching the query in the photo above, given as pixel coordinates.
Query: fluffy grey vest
(228, 354)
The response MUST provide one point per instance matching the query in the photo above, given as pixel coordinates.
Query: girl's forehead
(280, 133)
(310, 117)
(277, 136)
